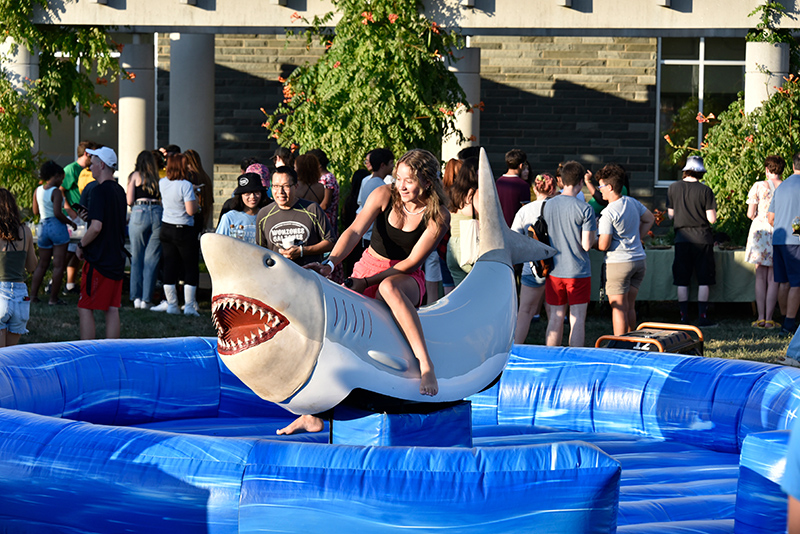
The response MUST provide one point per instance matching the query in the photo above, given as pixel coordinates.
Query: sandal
(759, 324)
(769, 325)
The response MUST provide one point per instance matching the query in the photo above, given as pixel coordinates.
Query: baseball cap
(106, 155)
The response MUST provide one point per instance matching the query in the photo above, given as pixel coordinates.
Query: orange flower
(130, 76)
(337, 64)
(435, 28)
(101, 81)
(265, 125)
(749, 138)
(2, 109)
(367, 17)
(281, 79)
(295, 17)
(110, 107)
(264, 111)
(668, 139)
(700, 118)
(393, 18)
(119, 46)
(472, 138)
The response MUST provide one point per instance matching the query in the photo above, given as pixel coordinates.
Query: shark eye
(269, 262)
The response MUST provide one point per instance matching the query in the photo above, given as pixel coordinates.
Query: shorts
(786, 264)
(15, 307)
(447, 278)
(529, 280)
(105, 293)
(52, 233)
(572, 291)
(369, 265)
(433, 271)
(693, 257)
(621, 277)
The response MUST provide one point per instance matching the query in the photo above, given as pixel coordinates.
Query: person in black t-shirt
(693, 209)
(103, 248)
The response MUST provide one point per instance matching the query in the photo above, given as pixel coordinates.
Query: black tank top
(391, 242)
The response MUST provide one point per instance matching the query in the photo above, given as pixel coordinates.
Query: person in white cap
(103, 248)
(693, 209)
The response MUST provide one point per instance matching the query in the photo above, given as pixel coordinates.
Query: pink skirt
(369, 265)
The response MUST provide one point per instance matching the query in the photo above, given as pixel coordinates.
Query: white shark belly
(468, 334)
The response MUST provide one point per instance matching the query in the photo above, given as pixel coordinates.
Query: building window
(695, 75)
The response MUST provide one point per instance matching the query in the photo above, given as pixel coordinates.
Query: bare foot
(428, 384)
(304, 423)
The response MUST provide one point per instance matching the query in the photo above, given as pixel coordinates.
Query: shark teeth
(243, 322)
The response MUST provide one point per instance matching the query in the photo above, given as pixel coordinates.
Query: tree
(736, 146)
(64, 84)
(382, 82)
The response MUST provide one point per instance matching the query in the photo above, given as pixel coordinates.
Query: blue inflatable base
(157, 436)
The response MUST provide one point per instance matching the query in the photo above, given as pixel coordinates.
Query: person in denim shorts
(52, 235)
(16, 255)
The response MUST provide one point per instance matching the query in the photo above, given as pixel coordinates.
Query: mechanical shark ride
(303, 342)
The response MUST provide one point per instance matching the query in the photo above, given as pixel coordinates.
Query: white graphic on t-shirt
(288, 233)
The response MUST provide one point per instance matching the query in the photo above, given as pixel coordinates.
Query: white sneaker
(191, 309)
(137, 304)
(788, 361)
(160, 307)
(145, 305)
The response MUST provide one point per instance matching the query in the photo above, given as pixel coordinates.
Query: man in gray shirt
(573, 231)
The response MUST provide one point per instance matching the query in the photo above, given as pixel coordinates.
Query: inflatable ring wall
(157, 436)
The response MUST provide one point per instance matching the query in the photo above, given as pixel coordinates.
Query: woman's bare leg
(59, 264)
(761, 291)
(772, 295)
(527, 302)
(38, 274)
(400, 292)
(619, 314)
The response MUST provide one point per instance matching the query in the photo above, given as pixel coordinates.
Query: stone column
(765, 66)
(468, 73)
(191, 95)
(23, 67)
(136, 102)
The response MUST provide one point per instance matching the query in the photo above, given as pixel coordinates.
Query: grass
(60, 323)
(733, 338)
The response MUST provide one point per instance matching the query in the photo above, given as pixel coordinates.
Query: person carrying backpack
(531, 295)
(572, 227)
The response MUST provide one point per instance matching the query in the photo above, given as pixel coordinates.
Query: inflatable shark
(299, 340)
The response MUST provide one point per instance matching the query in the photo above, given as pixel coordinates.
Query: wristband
(80, 245)
(330, 264)
(301, 251)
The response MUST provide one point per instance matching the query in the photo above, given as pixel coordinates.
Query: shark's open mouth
(243, 322)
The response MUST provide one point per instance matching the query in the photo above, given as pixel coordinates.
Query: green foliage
(383, 82)
(736, 147)
(60, 87)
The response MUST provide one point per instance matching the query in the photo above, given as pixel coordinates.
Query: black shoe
(784, 332)
(685, 319)
(706, 322)
(74, 291)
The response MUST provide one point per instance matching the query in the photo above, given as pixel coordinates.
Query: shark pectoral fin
(525, 248)
(393, 362)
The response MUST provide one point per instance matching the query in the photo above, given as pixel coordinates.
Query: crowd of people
(409, 234)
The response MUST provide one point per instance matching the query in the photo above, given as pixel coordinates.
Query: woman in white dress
(759, 240)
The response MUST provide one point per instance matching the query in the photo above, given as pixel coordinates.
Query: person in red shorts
(102, 248)
(572, 227)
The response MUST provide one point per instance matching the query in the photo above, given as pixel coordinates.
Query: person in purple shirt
(511, 189)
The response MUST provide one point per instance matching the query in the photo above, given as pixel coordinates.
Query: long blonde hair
(425, 168)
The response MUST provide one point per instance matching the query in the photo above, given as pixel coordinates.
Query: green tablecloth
(735, 277)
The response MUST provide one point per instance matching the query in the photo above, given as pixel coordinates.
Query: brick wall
(558, 98)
